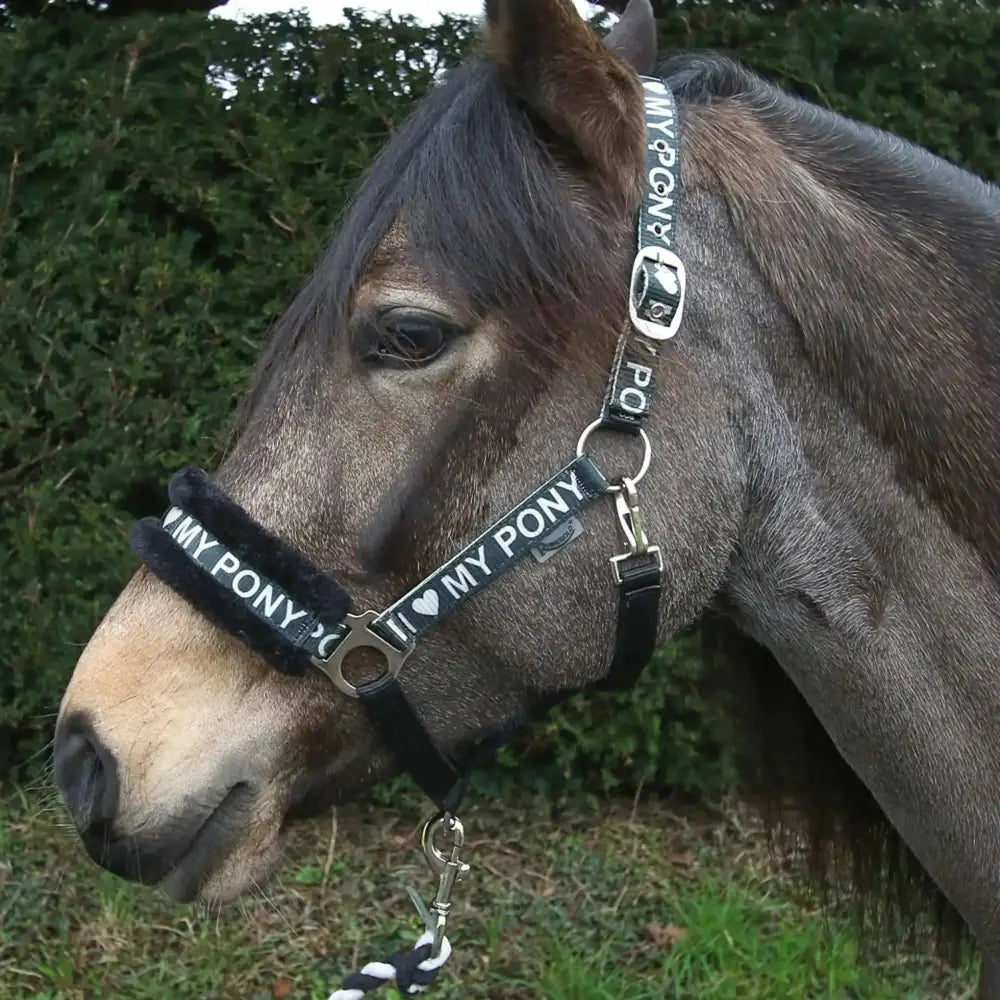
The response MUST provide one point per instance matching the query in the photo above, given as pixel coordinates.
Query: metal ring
(647, 454)
(359, 635)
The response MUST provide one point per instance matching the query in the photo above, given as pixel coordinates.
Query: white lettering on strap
(503, 536)
(204, 545)
(479, 560)
(265, 597)
(292, 615)
(186, 532)
(228, 563)
(522, 526)
(244, 575)
(572, 485)
(462, 582)
(323, 649)
(553, 505)
(632, 400)
(641, 374)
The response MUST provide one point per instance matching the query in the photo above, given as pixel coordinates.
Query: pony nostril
(86, 774)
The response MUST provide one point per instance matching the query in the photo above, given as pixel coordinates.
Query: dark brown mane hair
(888, 259)
(481, 190)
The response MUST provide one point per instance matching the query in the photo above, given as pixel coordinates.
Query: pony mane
(888, 259)
(486, 206)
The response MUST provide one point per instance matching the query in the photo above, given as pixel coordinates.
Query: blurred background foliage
(167, 180)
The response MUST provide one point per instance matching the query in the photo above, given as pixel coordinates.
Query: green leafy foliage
(165, 184)
(664, 733)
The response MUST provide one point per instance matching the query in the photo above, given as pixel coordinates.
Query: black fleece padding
(194, 492)
(153, 545)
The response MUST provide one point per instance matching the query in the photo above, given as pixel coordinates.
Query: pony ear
(633, 38)
(581, 89)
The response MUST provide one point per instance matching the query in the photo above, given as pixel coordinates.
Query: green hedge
(166, 184)
(171, 183)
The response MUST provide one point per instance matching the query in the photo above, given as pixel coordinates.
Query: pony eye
(409, 340)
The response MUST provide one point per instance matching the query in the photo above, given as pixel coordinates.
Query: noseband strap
(243, 578)
(238, 574)
(261, 590)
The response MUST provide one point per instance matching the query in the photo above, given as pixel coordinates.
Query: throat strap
(398, 724)
(638, 612)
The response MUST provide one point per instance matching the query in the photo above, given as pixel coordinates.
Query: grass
(631, 901)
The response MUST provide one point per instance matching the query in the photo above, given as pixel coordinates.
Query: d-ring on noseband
(266, 594)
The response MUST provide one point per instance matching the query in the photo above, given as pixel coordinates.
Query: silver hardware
(650, 328)
(450, 870)
(627, 506)
(616, 561)
(647, 454)
(359, 635)
(630, 521)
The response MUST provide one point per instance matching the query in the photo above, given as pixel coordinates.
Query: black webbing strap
(495, 550)
(400, 726)
(638, 615)
(656, 291)
(656, 300)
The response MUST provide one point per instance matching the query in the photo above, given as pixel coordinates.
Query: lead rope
(412, 972)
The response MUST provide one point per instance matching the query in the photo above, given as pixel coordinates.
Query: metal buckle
(647, 453)
(359, 635)
(630, 521)
(449, 868)
(648, 327)
(616, 561)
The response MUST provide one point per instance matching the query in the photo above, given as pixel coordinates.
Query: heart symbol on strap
(427, 604)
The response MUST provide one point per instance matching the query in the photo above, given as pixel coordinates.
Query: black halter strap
(266, 594)
(656, 302)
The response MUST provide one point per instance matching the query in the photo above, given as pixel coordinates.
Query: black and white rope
(412, 972)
